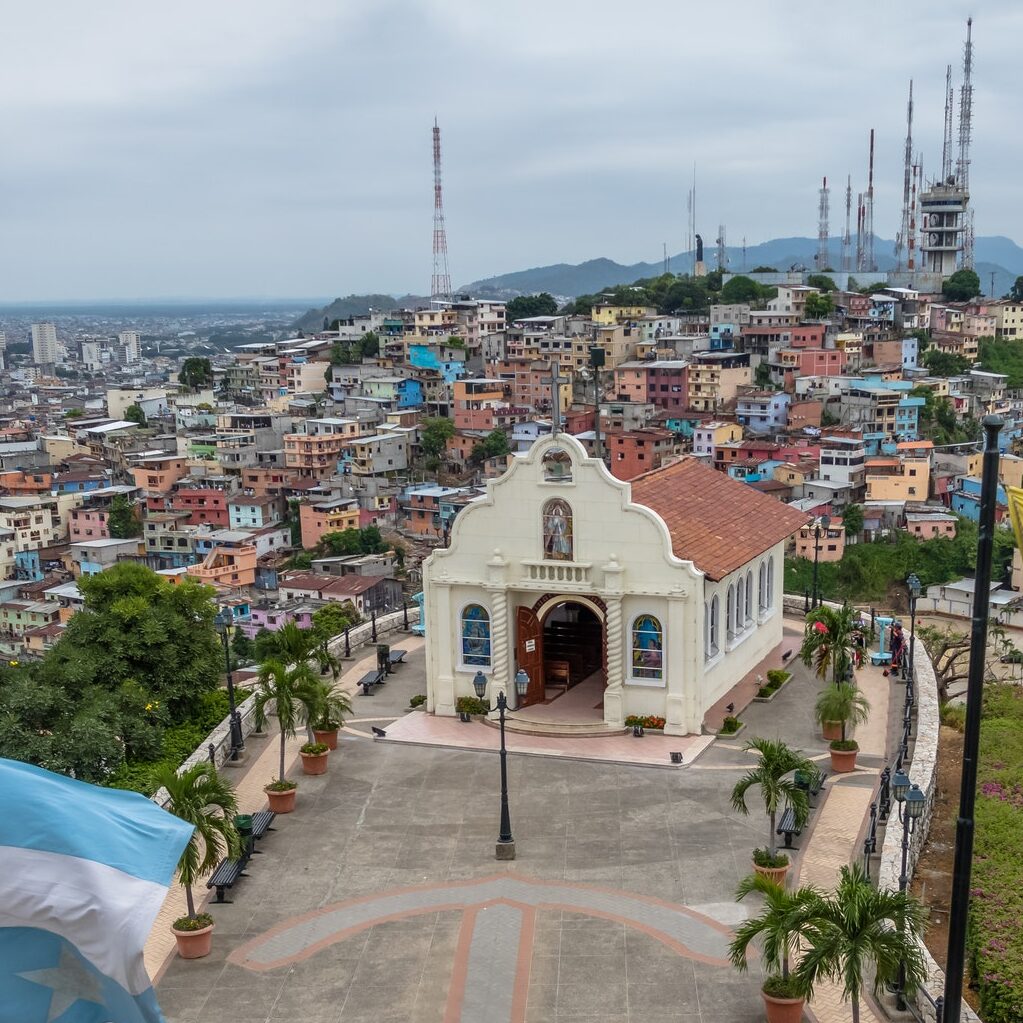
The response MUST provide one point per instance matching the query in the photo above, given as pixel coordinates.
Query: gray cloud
(264, 148)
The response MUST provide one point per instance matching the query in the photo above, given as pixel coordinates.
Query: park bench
(226, 874)
(261, 824)
(396, 657)
(787, 826)
(811, 782)
(370, 679)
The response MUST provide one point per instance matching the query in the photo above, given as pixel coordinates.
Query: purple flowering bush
(996, 908)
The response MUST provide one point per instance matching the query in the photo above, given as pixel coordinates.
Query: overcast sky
(268, 148)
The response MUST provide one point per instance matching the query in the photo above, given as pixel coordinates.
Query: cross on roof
(556, 380)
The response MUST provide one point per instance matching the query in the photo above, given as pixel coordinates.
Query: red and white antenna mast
(440, 285)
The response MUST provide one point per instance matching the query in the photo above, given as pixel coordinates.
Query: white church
(656, 597)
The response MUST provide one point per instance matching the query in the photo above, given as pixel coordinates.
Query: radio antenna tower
(861, 258)
(822, 227)
(946, 142)
(722, 255)
(847, 237)
(440, 286)
(902, 239)
(868, 226)
(912, 240)
(965, 130)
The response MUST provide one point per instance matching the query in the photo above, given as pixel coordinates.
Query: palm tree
(842, 703)
(201, 797)
(858, 926)
(328, 707)
(778, 791)
(293, 644)
(779, 923)
(291, 691)
(827, 642)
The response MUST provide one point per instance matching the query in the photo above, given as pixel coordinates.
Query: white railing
(556, 572)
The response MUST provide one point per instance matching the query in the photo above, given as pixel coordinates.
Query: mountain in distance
(355, 305)
(565, 280)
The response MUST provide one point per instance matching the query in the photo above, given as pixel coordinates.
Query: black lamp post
(911, 808)
(913, 585)
(825, 521)
(224, 623)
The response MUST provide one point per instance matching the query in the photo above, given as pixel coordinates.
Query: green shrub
(763, 858)
(471, 705)
(418, 700)
(844, 745)
(783, 987)
(954, 716)
(314, 749)
(763, 692)
(778, 677)
(730, 725)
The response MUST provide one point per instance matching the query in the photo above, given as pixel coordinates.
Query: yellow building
(1010, 469)
(1008, 318)
(898, 479)
(608, 315)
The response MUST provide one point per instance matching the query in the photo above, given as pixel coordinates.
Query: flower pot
(327, 736)
(314, 763)
(843, 761)
(281, 801)
(832, 730)
(782, 1010)
(776, 874)
(194, 944)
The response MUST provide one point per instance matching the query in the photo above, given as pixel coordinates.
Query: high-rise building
(131, 346)
(3, 350)
(44, 344)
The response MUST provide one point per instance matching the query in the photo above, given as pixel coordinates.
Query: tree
(242, 647)
(494, 445)
(740, 290)
(852, 519)
(134, 414)
(1016, 291)
(524, 306)
(819, 307)
(329, 621)
(1002, 355)
(822, 282)
(200, 797)
(858, 927)
(369, 344)
(291, 692)
(778, 791)
(762, 375)
(123, 518)
(961, 286)
(945, 364)
(764, 270)
(196, 374)
(827, 641)
(841, 703)
(435, 435)
(74, 413)
(329, 706)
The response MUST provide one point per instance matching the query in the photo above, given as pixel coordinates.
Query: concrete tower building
(44, 344)
(131, 346)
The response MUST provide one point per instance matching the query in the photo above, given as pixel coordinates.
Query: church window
(740, 605)
(749, 597)
(475, 636)
(763, 586)
(647, 648)
(558, 540)
(710, 639)
(730, 613)
(770, 583)
(557, 466)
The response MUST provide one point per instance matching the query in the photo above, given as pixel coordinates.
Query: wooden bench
(225, 876)
(557, 675)
(396, 657)
(788, 827)
(370, 679)
(261, 824)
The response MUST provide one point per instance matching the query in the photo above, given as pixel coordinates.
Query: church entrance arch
(560, 642)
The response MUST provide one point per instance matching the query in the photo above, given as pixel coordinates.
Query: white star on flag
(69, 981)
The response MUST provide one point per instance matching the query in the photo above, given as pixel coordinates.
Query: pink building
(928, 525)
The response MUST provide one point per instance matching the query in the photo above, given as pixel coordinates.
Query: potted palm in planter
(327, 713)
(202, 798)
(314, 757)
(291, 691)
(839, 705)
(778, 791)
(828, 641)
(859, 928)
(778, 926)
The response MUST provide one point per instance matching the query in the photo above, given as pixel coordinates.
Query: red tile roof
(714, 521)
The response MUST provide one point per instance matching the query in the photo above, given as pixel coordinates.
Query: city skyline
(238, 151)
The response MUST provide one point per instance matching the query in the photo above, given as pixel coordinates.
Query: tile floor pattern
(398, 817)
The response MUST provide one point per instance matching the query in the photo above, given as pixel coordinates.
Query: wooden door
(529, 653)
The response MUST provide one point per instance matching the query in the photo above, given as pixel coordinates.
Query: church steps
(565, 729)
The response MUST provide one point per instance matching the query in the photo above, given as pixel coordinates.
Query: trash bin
(384, 657)
(243, 825)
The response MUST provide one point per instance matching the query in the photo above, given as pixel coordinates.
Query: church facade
(662, 593)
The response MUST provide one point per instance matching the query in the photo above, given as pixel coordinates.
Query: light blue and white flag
(83, 873)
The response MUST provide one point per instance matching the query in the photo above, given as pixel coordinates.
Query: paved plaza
(380, 898)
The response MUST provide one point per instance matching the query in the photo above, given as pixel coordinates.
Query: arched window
(763, 586)
(557, 466)
(730, 613)
(770, 583)
(647, 648)
(749, 597)
(558, 540)
(475, 635)
(740, 605)
(715, 616)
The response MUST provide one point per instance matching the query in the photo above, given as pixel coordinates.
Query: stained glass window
(557, 530)
(557, 466)
(476, 636)
(647, 648)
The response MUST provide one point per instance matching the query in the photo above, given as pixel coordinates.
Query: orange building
(334, 515)
(475, 401)
(832, 541)
(229, 564)
(21, 483)
(158, 474)
(633, 452)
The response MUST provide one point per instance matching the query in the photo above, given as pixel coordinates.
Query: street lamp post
(913, 585)
(911, 808)
(224, 623)
(825, 521)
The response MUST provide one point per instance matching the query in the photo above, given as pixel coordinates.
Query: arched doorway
(560, 643)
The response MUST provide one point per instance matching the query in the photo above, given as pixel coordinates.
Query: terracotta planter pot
(328, 737)
(832, 730)
(194, 944)
(776, 874)
(281, 802)
(843, 761)
(314, 763)
(783, 1010)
